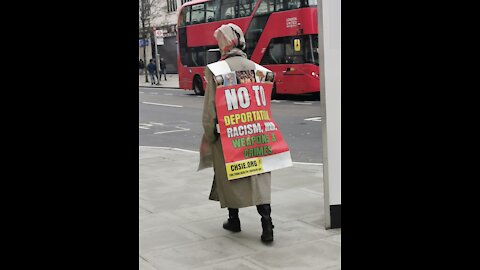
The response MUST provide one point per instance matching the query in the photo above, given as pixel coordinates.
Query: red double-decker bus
(281, 35)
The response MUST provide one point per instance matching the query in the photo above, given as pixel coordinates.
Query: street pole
(144, 49)
(143, 18)
(329, 45)
(157, 58)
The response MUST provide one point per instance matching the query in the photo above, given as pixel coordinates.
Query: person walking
(163, 69)
(152, 70)
(141, 66)
(243, 192)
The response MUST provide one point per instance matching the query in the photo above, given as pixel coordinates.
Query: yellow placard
(296, 43)
(244, 168)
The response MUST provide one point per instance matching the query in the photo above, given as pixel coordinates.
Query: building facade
(163, 16)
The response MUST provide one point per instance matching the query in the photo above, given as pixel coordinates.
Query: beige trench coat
(238, 193)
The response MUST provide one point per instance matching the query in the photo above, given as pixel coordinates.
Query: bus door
(293, 73)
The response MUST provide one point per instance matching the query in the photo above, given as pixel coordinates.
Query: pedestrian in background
(163, 69)
(152, 70)
(141, 66)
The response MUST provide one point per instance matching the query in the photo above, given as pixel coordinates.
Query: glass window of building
(171, 5)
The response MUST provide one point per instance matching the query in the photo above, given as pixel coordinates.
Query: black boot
(233, 222)
(264, 210)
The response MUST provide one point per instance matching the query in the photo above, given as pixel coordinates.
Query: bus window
(281, 5)
(311, 45)
(185, 16)
(275, 53)
(213, 55)
(267, 6)
(200, 57)
(293, 56)
(282, 50)
(228, 9)
(198, 13)
(254, 31)
(182, 18)
(192, 57)
(213, 8)
(245, 7)
(182, 45)
(196, 57)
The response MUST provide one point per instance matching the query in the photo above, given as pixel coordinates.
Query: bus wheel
(274, 92)
(198, 86)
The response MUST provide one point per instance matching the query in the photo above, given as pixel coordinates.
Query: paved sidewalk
(171, 82)
(181, 229)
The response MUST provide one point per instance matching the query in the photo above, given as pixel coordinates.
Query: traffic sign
(159, 33)
(160, 41)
